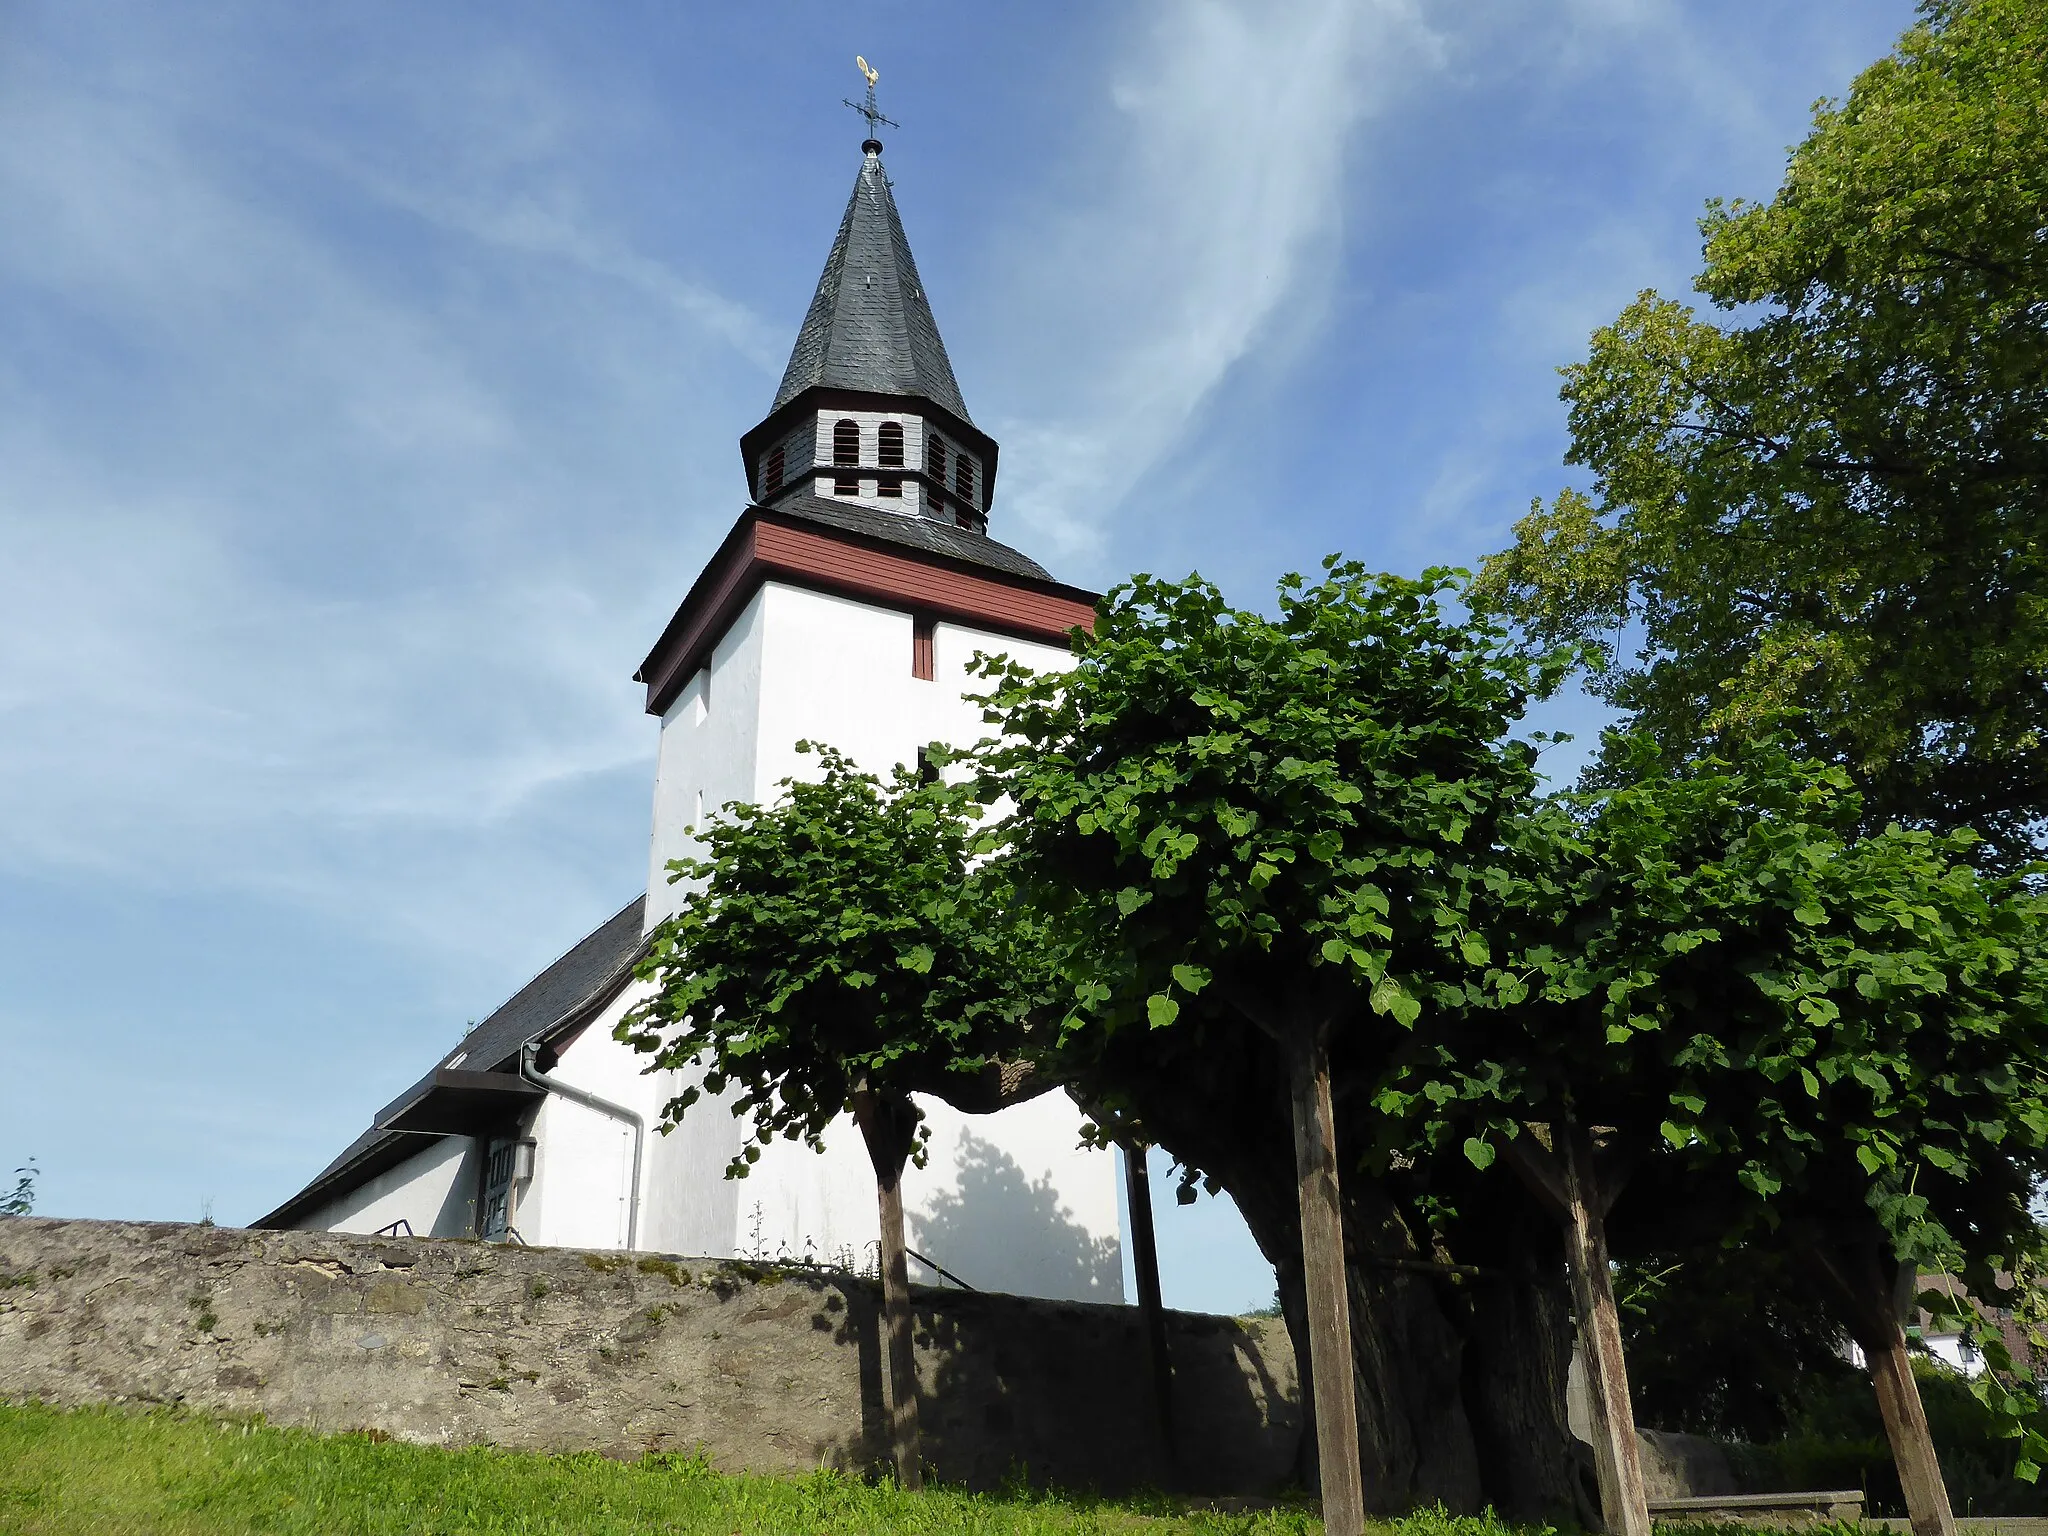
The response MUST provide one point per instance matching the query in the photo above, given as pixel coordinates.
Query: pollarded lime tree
(1840, 1040)
(1830, 495)
(839, 953)
(1274, 829)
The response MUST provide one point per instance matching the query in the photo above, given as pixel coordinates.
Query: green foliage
(21, 1200)
(834, 937)
(1830, 501)
(1800, 1021)
(1288, 818)
(164, 1474)
(1835, 1440)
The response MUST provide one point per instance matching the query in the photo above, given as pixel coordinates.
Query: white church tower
(843, 607)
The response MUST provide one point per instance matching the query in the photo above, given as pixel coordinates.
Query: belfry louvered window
(846, 450)
(889, 452)
(935, 457)
(963, 477)
(771, 474)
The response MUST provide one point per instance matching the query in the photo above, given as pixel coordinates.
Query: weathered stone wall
(454, 1343)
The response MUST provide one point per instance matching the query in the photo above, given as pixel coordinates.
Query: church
(843, 607)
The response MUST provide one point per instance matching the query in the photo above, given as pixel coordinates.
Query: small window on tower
(889, 485)
(889, 443)
(846, 443)
(771, 477)
(935, 457)
(922, 632)
(963, 477)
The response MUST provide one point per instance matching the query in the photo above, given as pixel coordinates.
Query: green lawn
(112, 1473)
(109, 1472)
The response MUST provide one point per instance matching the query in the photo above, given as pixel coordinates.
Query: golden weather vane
(867, 108)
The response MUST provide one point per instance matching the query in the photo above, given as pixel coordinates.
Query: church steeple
(870, 326)
(868, 410)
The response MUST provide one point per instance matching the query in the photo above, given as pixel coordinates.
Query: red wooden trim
(724, 588)
(764, 549)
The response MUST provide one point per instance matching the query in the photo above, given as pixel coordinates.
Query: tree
(21, 1201)
(839, 955)
(1262, 837)
(1840, 1039)
(1831, 500)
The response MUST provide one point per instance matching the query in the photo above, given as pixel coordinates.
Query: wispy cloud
(1211, 201)
(302, 574)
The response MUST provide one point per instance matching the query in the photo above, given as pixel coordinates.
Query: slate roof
(922, 533)
(591, 972)
(870, 326)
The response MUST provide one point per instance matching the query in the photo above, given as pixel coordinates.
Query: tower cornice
(883, 558)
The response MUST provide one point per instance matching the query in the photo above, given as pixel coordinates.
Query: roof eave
(740, 568)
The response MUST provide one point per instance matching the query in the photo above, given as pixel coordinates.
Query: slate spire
(870, 326)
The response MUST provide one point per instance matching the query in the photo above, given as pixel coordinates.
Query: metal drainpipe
(603, 1107)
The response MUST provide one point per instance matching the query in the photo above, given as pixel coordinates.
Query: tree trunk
(1517, 1327)
(1221, 1101)
(1872, 1302)
(1616, 1458)
(1151, 1306)
(1323, 1271)
(1415, 1442)
(888, 1124)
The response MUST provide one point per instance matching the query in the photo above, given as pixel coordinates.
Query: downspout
(575, 1095)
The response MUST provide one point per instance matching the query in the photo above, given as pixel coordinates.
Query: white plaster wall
(1008, 1202)
(580, 1194)
(1012, 1202)
(838, 670)
(707, 752)
(435, 1190)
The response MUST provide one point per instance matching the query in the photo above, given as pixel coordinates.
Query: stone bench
(1761, 1508)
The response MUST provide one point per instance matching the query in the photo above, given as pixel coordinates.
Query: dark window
(845, 485)
(938, 507)
(921, 631)
(927, 770)
(891, 444)
(963, 477)
(889, 485)
(771, 477)
(935, 457)
(846, 443)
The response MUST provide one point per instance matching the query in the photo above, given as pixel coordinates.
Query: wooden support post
(887, 1128)
(1905, 1426)
(1329, 1299)
(1616, 1457)
(1873, 1304)
(1151, 1306)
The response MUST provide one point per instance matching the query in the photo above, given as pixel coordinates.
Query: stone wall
(453, 1343)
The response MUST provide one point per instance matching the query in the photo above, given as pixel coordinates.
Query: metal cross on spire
(868, 109)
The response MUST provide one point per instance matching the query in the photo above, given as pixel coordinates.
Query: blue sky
(370, 382)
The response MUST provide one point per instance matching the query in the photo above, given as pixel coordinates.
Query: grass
(117, 1472)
